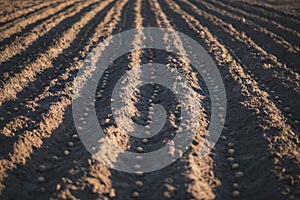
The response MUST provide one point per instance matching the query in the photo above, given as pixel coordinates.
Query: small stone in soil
(42, 168)
(144, 140)
(70, 144)
(139, 157)
(139, 183)
(135, 194)
(235, 166)
(139, 173)
(230, 159)
(235, 185)
(66, 153)
(139, 149)
(54, 157)
(230, 144)
(75, 136)
(235, 193)
(137, 166)
(230, 151)
(41, 179)
(239, 174)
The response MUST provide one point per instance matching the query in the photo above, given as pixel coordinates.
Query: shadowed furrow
(50, 51)
(108, 24)
(199, 179)
(19, 10)
(272, 118)
(289, 22)
(261, 35)
(19, 24)
(21, 43)
(288, 34)
(275, 75)
(21, 80)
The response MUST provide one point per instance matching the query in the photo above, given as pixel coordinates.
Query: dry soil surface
(255, 46)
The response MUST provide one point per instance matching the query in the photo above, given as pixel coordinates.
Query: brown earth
(255, 45)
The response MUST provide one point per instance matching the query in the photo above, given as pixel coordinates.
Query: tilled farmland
(255, 46)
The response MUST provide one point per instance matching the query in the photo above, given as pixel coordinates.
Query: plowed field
(255, 46)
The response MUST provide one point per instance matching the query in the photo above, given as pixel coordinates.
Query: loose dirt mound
(255, 45)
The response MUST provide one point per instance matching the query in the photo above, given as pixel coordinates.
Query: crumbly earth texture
(254, 44)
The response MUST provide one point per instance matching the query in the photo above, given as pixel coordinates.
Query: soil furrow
(41, 45)
(22, 43)
(22, 14)
(273, 9)
(288, 34)
(15, 36)
(20, 24)
(43, 62)
(262, 64)
(267, 39)
(271, 121)
(284, 21)
(96, 172)
(27, 104)
(135, 62)
(112, 18)
(29, 7)
(64, 101)
(246, 40)
(139, 183)
(45, 47)
(192, 177)
(32, 105)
